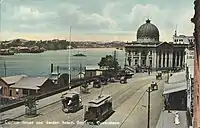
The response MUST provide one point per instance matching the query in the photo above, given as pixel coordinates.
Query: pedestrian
(168, 107)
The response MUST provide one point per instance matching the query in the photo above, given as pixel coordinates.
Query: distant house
(91, 71)
(31, 85)
(6, 82)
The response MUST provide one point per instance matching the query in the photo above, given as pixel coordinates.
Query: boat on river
(80, 55)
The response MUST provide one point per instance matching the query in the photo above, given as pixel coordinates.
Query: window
(10, 93)
(136, 52)
(25, 92)
(143, 53)
(150, 62)
(17, 91)
(143, 62)
(90, 73)
(136, 62)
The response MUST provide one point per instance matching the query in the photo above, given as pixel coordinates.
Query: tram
(71, 102)
(98, 110)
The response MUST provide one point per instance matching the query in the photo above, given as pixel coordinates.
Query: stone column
(183, 58)
(162, 59)
(157, 60)
(147, 59)
(166, 59)
(139, 62)
(154, 56)
(170, 59)
(180, 56)
(175, 59)
(133, 58)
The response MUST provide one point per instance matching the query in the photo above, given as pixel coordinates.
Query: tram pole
(80, 74)
(69, 59)
(148, 123)
(5, 67)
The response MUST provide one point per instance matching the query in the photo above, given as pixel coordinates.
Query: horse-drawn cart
(154, 86)
(159, 76)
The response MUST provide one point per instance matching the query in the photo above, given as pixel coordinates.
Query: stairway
(131, 69)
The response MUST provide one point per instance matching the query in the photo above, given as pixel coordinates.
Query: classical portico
(148, 51)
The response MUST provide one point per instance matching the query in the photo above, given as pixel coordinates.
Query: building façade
(148, 51)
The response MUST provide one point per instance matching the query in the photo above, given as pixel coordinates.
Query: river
(39, 64)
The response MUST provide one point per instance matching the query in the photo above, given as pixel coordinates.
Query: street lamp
(148, 107)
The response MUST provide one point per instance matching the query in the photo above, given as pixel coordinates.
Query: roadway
(129, 103)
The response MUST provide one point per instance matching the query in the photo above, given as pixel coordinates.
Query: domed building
(149, 52)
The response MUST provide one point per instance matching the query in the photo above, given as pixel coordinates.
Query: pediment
(165, 45)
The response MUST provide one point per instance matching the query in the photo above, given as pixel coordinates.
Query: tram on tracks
(71, 102)
(98, 109)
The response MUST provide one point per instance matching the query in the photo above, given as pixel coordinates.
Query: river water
(39, 64)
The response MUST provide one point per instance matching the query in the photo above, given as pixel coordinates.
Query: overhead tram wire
(132, 109)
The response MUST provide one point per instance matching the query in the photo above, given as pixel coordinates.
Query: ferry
(80, 54)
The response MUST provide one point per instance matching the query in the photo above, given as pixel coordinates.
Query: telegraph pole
(0, 25)
(148, 123)
(5, 67)
(80, 75)
(69, 59)
(115, 61)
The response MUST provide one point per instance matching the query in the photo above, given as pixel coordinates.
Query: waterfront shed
(6, 82)
(32, 85)
(91, 71)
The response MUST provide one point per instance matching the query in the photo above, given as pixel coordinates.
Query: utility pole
(0, 25)
(80, 74)
(69, 59)
(115, 66)
(148, 123)
(5, 67)
(125, 60)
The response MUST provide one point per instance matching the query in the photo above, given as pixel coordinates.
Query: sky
(93, 20)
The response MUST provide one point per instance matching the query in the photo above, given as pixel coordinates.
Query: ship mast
(69, 59)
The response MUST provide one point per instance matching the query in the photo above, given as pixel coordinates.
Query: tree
(110, 62)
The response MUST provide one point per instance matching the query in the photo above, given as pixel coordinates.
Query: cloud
(112, 18)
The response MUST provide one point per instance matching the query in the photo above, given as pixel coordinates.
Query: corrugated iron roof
(177, 77)
(12, 79)
(177, 82)
(171, 88)
(30, 82)
(90, 67)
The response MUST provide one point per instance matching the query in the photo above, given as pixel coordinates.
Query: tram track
(116, 95)
(120, 97)
(84, 96)
(133, 108)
